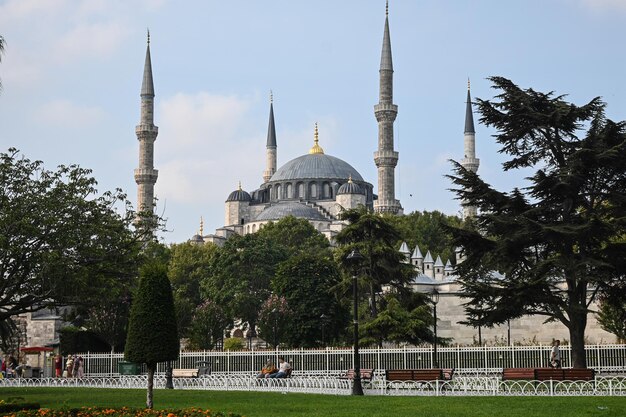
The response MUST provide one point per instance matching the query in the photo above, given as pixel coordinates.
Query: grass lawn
(255, 404)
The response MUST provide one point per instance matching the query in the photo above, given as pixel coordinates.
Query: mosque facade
(318, 187)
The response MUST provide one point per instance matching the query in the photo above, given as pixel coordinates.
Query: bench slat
(184, 373)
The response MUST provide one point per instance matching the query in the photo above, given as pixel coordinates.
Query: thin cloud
(605, 5)
(92, 40)
(67, 114)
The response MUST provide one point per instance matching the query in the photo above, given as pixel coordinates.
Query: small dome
(299, 210)
(239, 195)
(197, 239)
(350, 188)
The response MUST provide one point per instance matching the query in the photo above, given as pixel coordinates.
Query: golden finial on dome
(239, 186)
(350, 179)
(201, 226)
(316, 149)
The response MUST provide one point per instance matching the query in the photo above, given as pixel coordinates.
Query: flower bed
(119, 412)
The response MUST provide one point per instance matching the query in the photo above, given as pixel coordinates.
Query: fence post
(111, 363)
(599, 364)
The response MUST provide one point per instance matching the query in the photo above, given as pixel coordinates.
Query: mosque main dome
(316, 166)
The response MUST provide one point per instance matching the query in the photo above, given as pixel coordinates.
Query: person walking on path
(555, 354)
(58, 365)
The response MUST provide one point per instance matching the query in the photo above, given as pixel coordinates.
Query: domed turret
(350, 188)
(239, 195)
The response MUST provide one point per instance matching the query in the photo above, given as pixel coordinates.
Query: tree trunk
(151, 369)
(578, 322)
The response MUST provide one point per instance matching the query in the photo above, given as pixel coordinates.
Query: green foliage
(152, 334)
(60, 243)
(382, 265)
(307, 282)
(188, 266)
(563, 229)
(295, 235)
(273, 318)
(240, 276)
(12, 407)
(234, 344)
(426, 229)
(612, 314)
(402, 319)
(74, 340)
(208, 324)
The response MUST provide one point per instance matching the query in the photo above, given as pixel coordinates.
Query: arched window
(253, 228)
(270, 195)
(300, 190)
(278, 189)
(313, 188)
(289, 191)
(327, 191)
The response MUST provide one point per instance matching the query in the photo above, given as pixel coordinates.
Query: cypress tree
(152, 332)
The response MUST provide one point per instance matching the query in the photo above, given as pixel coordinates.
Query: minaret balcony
(471, 164)
(386, 158)
(146, 176)
(146, 128)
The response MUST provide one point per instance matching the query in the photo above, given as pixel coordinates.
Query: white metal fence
(471, 360)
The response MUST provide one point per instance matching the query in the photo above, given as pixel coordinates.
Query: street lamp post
(357, 389)
(508, 333)
(434, 298)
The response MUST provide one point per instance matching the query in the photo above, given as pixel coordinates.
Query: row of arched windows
(303, 190)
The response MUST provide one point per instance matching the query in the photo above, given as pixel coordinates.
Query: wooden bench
(366, 374)
(418, 374)
(518, 374)
(559, 374)
(184, 373)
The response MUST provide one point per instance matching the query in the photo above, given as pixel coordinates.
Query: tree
(295, 235)
(375, 237)
(207, 326)
(188, 266)
(152, 334)
(405, 319)
(307, 282)
(273, 318)
(108, 317)
(425, 229)
(612, 314)
(548, 248)
(240, 273)
(60, 243)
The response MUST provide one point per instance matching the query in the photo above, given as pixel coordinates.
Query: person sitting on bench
(284, 369)
(267, 370)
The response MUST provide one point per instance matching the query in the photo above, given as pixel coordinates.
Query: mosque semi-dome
(281, 210)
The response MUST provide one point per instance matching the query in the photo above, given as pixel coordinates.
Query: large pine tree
(152, 333)
(557, 241)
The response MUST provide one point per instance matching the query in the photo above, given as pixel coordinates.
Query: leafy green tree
(188, 266)
(60, 242)
(108, 317)
(208, 324)
(426, 230)
(382, 265)
(295, 235)
(405, 319)
(240, 274)
(152, 334)
(612, 314)
(274, 317)
(307, 282)
(545, 249)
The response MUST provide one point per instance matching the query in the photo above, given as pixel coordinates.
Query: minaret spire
(469, 162)
(145, 174)
(386, 158)
(271, 144)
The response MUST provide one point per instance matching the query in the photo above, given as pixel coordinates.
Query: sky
(72, 72)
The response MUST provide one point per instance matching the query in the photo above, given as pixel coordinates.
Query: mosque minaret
(469, 162)
(146, 175)
(385, 157)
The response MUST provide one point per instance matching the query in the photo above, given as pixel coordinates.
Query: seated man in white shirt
(284, 369)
